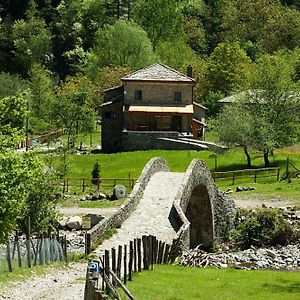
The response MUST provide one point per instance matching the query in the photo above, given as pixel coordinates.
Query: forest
(61, 55)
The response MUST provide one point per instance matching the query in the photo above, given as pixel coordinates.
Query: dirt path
(58, 284)
(254, 201)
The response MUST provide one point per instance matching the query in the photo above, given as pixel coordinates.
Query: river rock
(74, 222)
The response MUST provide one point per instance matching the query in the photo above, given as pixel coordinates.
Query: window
(177, 96)
(137, 95)
(109, 115)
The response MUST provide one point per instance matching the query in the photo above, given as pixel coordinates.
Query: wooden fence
(84, 182)
(247, 173)
(116, 267)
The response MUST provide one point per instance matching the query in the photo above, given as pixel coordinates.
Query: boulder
(62, 224)
(74, 222)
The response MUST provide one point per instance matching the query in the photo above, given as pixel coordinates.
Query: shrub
(96, 173)
(262, 227)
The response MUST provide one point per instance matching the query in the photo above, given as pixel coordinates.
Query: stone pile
(279, 258)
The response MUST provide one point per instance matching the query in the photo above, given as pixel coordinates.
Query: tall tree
(32, 42)
(72, 109)
(124, 43)
(161, 19)
(229, 68)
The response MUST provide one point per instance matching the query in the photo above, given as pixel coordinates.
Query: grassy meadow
(120, 165)
(168, 282)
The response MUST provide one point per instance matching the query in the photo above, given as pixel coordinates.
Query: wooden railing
(120, 264)
(247, 173)
(83, 182)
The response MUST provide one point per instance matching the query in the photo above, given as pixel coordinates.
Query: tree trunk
(248, 156)
(266, 158)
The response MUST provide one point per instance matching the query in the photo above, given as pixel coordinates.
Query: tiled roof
(158, 72)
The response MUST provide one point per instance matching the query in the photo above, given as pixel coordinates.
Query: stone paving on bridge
(151, 215)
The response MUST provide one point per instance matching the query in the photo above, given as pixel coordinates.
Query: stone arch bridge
(184, 206)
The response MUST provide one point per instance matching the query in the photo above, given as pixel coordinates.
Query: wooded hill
(65, 53)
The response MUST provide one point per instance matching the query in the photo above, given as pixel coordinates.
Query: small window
(137, 95)
(110, 115)
(177, 96)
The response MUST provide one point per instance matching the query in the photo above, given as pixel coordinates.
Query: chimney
(189, 71)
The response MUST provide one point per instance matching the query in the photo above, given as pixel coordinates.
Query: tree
(161, 19)
(32, 42)
(260, 26)
(235, 128)
(267, 116)
(41, 99)
(124, 43)
(40, 201)
(175, 53)
(229, 68)
(276, 104)
(72, 109)
(96, 173)
(11, 85)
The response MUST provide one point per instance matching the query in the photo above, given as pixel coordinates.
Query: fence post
(119, 261)
(130, 261)
(134, 255)
(106, 268)
(255, 176)
(145, 252)
(125, 264)
(233, 178)
(139, 254)
(8, 257)
(82, 184)
(278, 172)
(113, 263)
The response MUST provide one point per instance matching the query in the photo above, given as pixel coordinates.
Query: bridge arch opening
(199, 213)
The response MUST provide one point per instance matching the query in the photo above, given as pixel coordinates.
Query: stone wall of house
(112, 126)
(146, 140)
(158, 92)
(156, 164)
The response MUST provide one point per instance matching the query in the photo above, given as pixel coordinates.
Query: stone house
(153, 105)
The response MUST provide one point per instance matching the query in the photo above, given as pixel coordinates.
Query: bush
(262, 227)
(96, 173)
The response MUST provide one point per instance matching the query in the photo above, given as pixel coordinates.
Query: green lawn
(169, 282)
(120, 165)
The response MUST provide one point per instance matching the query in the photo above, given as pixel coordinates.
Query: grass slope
(169, 282)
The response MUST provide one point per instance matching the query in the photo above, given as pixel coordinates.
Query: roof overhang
(187, 109)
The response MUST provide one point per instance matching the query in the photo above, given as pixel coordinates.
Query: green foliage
(41, 99)
(161, 19)
(40, 202)
(175, 53)
(11, 85)
(211, 102)
(124, 43)
(32, 41)
(72, 109)
(96, 173)
(262, 23)
(229, 68)
(262, 227)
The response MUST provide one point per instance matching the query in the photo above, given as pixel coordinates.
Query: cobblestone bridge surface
(151, 214)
